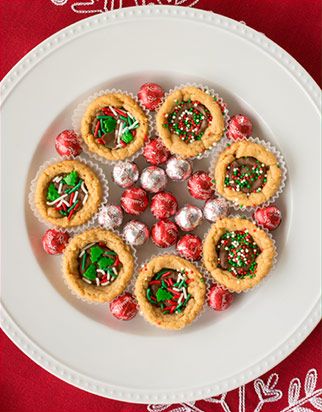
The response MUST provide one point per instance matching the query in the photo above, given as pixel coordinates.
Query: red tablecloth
(291, 386)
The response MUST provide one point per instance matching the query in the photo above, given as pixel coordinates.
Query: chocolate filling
(237, 252)
(98, 265)
(67, 193)
(168, 290)
(246, 174)
(114, 127)
(189, 120)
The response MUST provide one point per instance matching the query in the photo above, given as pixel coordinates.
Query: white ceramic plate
(133, 361)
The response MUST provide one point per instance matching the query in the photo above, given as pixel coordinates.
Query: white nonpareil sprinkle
(97, 281)
(104, 284)
(85, 199)
(60, 187)
(75, 197)
(87, 281)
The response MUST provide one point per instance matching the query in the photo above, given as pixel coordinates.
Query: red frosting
(269, 217)
(239, 127)
(124, 307)
(164, 205)
(150, 95)
(155, 152)
(54, 241)
(164, 233)
(67, 143)
(134, 200)
(220, 298)
(190, 247)
(200, 186)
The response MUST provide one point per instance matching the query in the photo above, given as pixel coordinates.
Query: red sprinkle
(98, 124)
(120, 112)
(100, 141)
(166, 274)
(155, 282)
(117, 261)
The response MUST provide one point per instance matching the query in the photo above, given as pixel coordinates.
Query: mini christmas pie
(189, 122)
(98, 265)
(170, 291)
(237, 253)
(68, 193)
(247, 174)
(114, 126)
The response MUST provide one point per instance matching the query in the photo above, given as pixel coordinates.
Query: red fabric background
(293, 24)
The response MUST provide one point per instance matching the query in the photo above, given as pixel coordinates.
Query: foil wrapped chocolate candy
(125, 174)
(136, 233)
(153, 179)
(110, 216)
(178, 169)
(188, 218)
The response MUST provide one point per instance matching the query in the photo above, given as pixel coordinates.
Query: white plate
(133, 361)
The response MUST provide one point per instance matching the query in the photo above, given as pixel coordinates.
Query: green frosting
(90, 272)
(127, 137)
(71, 179)
(52, 193)
(105, 262)
(163, 294)
(108, 124)
(95, 253)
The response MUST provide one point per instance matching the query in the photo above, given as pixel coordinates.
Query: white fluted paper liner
(99, 173)
(213, 281)
(222, 146)
(78, 115)
(133, 251)
(219, 100)
(199, 267)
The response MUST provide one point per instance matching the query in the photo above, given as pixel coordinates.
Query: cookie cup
(95, 182)
(265, 261)
(197, 289)
(92, 293)
(85, 112)
(265, 152)
(213, 133)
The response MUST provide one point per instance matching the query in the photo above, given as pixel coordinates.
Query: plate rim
(10, 327)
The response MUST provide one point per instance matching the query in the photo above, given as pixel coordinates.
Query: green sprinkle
(90, 272)
(72, 206)
(163, 295)
(109, 252)
(71, 179)
(108, 124)
(73, 189)
(148, 295)
(127, 137)
(95, 253)
(52, 193)
(105, 262)
(160, 273)
(84, 261)
(124, 119)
